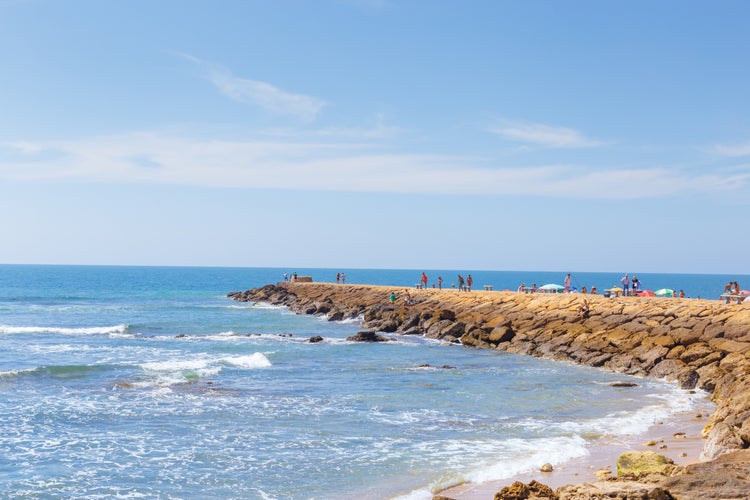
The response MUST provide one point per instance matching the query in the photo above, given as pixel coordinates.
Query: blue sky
(545, 135)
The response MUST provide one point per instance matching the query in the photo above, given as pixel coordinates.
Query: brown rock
(501, 334)
(367, 336)
(614, 490)
(521, 491)
(726, 478)
(721, 439)
(641, 463)
(696, 352)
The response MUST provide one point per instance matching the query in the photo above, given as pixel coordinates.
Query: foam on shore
(678, 438)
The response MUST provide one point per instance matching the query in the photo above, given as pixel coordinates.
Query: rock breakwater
(696, 343)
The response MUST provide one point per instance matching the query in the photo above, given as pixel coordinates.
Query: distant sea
(147, 382)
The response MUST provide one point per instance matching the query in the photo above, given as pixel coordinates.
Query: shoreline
(683, 449)
(695, 343)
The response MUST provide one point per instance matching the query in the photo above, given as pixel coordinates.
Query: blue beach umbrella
(552, 287)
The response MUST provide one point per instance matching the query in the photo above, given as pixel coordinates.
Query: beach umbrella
(551, 287)
(664, 292)
(745, 292)
(646, 293)
(615, 289)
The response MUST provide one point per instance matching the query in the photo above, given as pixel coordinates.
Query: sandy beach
(678, 438)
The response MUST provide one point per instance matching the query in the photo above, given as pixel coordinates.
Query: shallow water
(143, 382)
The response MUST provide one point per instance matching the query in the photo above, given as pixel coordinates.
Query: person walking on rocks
(469, 282)
(338, 278)
(566, 283)
(343, 278)
(625, 285)
(424, 280)
(460, 283)
(440, 282)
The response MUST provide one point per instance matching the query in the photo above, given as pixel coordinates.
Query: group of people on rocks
(464, 284)
(630, 286)
(732, 291)
(408, 300)
(732, 288)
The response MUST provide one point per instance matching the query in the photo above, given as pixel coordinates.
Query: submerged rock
(367, 336)
(623, 384)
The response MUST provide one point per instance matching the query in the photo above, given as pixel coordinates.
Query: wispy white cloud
(258, 93)
(734, 151)
(157, 158)
(540, 134)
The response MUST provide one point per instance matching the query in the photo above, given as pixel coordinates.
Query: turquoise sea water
(147, 382)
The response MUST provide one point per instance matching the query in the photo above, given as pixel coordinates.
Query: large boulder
(501, 334)
(722, 439)
(642, 463)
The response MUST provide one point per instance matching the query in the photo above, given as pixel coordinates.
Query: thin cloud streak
(258, 93)
(543, 135)
(153, 158)
(734, 151)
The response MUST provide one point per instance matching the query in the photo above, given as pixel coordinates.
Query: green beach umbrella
(664, 292)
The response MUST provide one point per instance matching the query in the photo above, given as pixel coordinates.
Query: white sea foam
(255, 360)
(172, 365)
(346, 321)
(172, 372)
(527, 455)
(510, 457)
(96, 330)
(266, 305)
(630, 423)
(14, 373)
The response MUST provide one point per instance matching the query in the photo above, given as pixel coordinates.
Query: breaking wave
(95, 330)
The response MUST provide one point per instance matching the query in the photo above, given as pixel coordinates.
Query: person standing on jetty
(625, 285)
(566, 283)
(424, 280)
(338, 278)
(440, 282)
(460, 283)
(469, 282)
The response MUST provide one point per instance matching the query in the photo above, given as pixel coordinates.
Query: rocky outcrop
(367, 336)
(521, 491)
(695, 343)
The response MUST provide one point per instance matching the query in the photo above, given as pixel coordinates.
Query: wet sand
(682, 448)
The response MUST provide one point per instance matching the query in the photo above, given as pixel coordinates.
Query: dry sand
(670, 442)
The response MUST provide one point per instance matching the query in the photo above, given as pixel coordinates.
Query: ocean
(148, 382)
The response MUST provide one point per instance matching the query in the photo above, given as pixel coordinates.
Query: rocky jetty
(696, 343)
